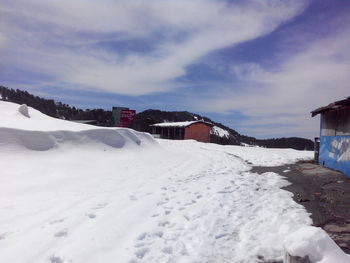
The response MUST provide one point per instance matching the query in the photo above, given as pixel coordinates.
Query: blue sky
(257, 66)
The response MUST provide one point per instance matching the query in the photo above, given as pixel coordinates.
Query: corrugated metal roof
(338, 105)
(180, 124)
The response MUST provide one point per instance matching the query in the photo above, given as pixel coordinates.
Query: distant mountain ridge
(146, 118)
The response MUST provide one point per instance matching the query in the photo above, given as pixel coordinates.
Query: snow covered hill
(24, 127)
(78, 193)
(215, 130)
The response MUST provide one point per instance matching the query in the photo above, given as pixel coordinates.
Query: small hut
(334, 149)
(196, 130)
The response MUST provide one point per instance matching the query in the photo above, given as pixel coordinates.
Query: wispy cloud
(62, 39)
(295, 85)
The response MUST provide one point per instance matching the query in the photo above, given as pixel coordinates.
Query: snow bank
(314, 243)
(22, 117)
(25, 127)
(44, 140)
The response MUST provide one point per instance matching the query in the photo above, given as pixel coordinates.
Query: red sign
(127, 116)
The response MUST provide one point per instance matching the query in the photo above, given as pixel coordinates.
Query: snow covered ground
(77, 193)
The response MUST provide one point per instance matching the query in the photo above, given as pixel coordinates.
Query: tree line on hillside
(144, 119)
(56, 109)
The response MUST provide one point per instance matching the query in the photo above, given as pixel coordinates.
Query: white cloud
(3, 40)
(56, 37)
(314, 77)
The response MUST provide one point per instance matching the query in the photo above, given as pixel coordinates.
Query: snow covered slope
(220, 132)
(77, 193)
(25, 127)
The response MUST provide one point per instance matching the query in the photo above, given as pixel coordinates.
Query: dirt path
(324, 193)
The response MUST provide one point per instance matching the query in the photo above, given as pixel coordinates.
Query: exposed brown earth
(324, 193)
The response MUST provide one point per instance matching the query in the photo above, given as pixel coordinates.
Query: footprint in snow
(100, 206)
(91, 216)
(140, 253)
(192, 202)
(142, 236)
(167, 250)
(187, 217)
(139, 245)
(61, 233)
(3, 235)
(221, 235)
(132, 198)
(162, 203)
(225, 192)
(57, 221)
(55, 259)
(163, 223)
(158, 234)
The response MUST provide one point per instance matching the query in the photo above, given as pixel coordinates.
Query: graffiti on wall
(335, 153)
(340, 149)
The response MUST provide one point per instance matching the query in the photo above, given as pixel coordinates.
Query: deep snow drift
(314, 243)
(77, 193)
(30, 129)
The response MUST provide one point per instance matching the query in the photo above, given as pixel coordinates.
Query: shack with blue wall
(334, 149)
